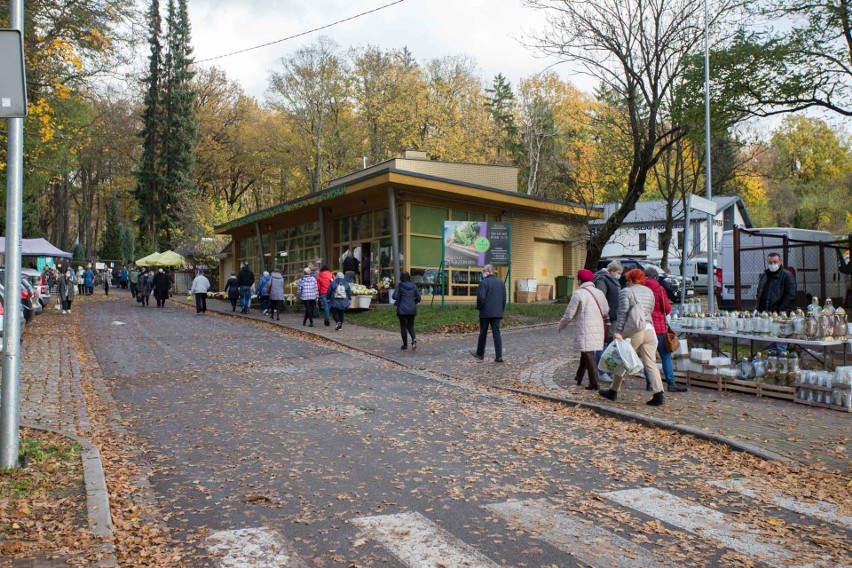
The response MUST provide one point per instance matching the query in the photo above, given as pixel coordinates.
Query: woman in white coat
(588, 309)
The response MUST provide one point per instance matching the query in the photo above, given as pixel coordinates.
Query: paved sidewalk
(52, 399)
(538, 360)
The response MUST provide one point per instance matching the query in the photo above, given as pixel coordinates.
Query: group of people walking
(143, 282)
(603, 312)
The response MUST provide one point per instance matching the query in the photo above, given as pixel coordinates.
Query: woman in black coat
(406, 296)
(161, 288)
(232, 287)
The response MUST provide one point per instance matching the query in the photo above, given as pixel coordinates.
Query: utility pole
(711, 271)
(10, 402)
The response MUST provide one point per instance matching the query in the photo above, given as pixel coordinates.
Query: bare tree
(537, 128)
(637, 49)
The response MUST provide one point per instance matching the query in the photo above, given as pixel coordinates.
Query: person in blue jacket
(490, 301)
(339, 293)
(262, 292)
(89, 281)
(406, 296)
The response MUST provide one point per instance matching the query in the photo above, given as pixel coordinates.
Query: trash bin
(564, 286)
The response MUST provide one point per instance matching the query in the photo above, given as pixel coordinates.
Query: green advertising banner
(476, 243)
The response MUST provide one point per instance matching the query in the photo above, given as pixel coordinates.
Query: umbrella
(170, 258)
(148, 260)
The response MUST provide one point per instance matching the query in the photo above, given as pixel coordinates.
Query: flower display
(361, 290)
(386, 283)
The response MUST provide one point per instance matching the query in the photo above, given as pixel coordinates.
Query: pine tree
(500, 103)
(149, 175)
(179, 104)
(111, 243)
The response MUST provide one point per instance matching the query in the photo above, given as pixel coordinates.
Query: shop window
(643, 242)
(427, 220)
(425, 251)
(680, 240)
(381, 220)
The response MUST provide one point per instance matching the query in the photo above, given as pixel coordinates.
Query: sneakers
(413, 344)
(404, 347)
(327, 323)
(64, 311)
(338, 327)
(498, 359)
(674, 387)
(478, 356)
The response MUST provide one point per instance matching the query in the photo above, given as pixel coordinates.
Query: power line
(302, 33)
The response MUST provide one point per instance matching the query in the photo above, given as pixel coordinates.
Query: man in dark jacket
(607, 281)
(776, 288)
(245, 279)
(490, 301)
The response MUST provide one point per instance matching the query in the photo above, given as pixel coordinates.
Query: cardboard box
(543, 292)
(524, 297)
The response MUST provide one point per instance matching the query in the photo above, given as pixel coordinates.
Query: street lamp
(711, 271)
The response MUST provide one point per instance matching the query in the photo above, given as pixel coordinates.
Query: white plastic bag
(629, 358)
(610, 359)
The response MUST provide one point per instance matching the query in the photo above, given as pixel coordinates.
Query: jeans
(666, 358)
(245, 297)
(200, 303)
(326, 306)
(483, 335)
(406, 328)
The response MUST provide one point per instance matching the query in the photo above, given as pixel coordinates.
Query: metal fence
(821, 268)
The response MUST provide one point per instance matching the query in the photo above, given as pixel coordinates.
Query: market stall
(792, 357)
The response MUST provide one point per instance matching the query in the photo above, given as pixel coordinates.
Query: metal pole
(261, 260)
(738, 294)
(9, 406)
(323, 241)
(684, 253)
(711, 271)
(394, 233)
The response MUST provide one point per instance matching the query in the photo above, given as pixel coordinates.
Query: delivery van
(803, 263)
(696, 271)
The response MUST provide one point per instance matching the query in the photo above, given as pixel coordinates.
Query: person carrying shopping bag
(588, 309)
(406, 296)
(635, 304)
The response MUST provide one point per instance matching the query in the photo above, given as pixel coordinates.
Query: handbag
(670, 342)
(635, 321)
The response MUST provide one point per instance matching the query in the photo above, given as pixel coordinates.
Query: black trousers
(200, 303)
(337, 315)
(234, 303)
(274, 307)
(406, 328)
(587, 365)
(484, 324)
(310, 308)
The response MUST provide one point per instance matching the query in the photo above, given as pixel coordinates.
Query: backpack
(340, 292)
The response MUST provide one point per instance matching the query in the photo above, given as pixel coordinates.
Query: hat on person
(585, 275)
(308, 270)
(339, 275)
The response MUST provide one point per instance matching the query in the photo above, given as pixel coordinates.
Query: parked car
(670, 282)
(3, 314)
(42, 288)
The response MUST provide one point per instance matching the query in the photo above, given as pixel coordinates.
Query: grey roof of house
(655, 211)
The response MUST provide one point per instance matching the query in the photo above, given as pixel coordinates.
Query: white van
(803, 261)
(696, 270)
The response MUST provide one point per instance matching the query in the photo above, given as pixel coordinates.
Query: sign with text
(476, 243)
(13, 90)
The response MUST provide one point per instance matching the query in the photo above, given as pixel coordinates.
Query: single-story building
(391, 215)
(639, 234)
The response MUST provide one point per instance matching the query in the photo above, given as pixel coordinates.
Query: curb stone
(97, 495)
(626, 415)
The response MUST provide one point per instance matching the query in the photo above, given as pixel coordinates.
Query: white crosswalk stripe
(417, 542)
(821, 510)
(257, 547)
(704, 522)
(581, 539)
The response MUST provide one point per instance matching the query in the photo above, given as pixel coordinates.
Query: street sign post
(13, 88)
(706, 206)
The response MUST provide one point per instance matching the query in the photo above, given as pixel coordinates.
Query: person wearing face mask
(607, 281)
(776, 288)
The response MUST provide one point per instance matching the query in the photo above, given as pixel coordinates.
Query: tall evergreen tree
(500, 102)
(149, 177)
(179, 103)
(111, 240)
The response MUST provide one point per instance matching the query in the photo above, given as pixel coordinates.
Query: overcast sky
(488, 30)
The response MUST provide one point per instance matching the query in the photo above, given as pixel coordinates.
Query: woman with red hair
(635, 305)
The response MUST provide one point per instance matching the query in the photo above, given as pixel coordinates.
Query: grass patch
(43, 507)
(455, 318)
